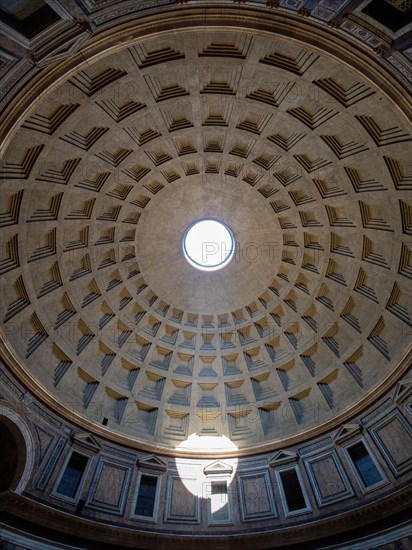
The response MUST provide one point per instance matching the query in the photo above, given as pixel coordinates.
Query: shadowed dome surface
(300, 156)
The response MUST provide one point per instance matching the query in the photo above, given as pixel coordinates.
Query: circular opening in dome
(208, 245)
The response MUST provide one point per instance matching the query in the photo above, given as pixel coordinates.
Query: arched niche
(17, 452)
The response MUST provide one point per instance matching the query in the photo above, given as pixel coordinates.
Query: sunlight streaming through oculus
(208, 245)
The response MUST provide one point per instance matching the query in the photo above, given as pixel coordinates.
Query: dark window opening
(28, 18)
(293, 491)
(364, 465)
(73, 475)
(146, 496)
(219, 501)
(388, 15)
(8, 458)
(219, 488)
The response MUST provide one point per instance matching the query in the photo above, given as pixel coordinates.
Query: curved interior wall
(338, 503)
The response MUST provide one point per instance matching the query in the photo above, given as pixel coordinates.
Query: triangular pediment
(346, 432)
(283, 457)
(152, 463)
(217, 467)
(86, 441)
(403, 391)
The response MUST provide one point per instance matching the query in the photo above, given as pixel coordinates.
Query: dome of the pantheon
(304, 157)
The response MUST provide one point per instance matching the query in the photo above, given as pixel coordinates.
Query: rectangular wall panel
(47, 472)
(256, 496)
(328, 479)
(393, 436)
(181, 505)
(109, 487)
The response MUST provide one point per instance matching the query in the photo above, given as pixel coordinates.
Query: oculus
(208, 245)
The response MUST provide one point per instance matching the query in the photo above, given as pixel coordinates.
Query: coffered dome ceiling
(303, 158)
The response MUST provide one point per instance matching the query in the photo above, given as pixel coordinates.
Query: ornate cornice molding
(25, 508)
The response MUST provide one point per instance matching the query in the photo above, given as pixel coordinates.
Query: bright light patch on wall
(193, 476)
(208, 245)
(210, 443)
